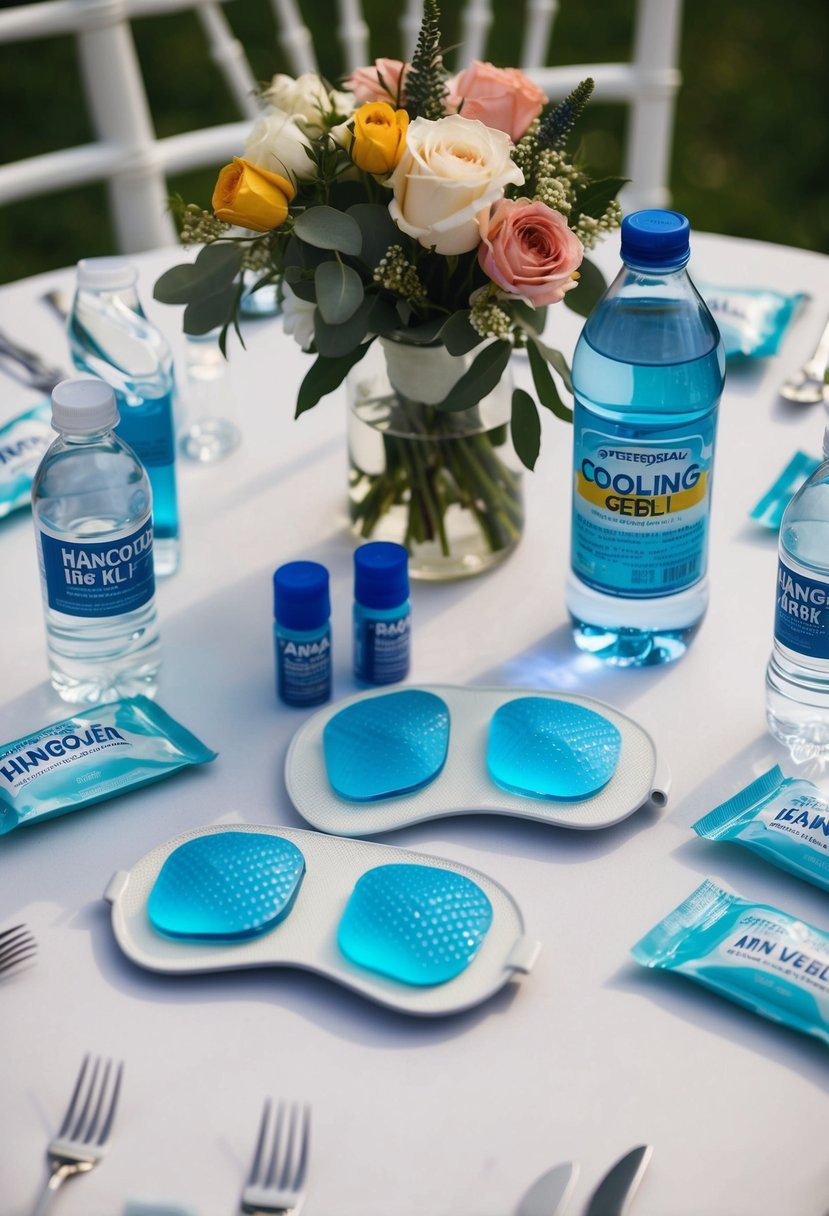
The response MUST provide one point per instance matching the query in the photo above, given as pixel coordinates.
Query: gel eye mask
(418, 924)
(551, 749)
(226, 887)
(379, 760)
(386, 745)
(418, 934)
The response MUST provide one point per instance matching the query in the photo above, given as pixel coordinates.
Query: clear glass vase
(445, 484)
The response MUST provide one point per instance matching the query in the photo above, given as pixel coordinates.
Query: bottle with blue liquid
(382, 613)
(648, 373)
(302, 633)
(92, 511)
(797, 676)
(110, 337)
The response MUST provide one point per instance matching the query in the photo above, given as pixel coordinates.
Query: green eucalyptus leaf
(595, 199)
(424, 333)
(306, 257)
(479, 379)
(556, 360)
(341, 337)
(378, 230)
(457, 334)
(525, 427)
(339, 291)
(383, 318)
(326, 228)
(304, 289)
(544, 383)
(591, 287)
(215, 267)
(324, 376)
(200, 316)
(533, 319)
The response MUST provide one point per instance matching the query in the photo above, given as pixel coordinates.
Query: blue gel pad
(386, 745)
(419, 924)
(543, 748)
(226, 887)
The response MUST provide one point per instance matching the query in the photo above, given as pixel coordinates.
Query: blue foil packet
(772, 963)
(751, 320)
(769, 510)
(85, 759)
(22, 444)
(784, 819)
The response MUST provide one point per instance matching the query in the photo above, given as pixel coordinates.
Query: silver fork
(276, 1182)
(84, 1134)
(17, 945)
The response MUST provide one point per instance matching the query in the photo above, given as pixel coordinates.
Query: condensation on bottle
(797, 676)
(648, 373)
(92, 509)
(110, 336)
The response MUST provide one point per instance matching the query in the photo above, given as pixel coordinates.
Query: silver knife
(550, 1194)
(613, 1194)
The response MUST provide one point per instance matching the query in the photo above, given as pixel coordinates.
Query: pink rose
(502, 98)
(529, 251)
(384, 81)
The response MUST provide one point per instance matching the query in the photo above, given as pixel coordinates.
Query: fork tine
(17, 936)
(113, 1103)
(92, 1126)
(253, 1176)
(77, 1130)
(299, 1177)
(7, 932)
(287, 1159)
(24, 950)
(276, 1139)
(70, 1110)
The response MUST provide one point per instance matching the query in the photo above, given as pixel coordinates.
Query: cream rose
(452, 171)
(307, 100)
(277, 144)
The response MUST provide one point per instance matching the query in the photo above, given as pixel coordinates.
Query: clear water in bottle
(110, 337)
(91, 503)
(648, 374)
(797, 677)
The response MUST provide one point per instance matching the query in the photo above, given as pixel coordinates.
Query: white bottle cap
(106, 274)
(84, 405)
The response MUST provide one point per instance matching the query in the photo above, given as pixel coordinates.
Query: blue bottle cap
(656, 239)
(381, 575)
(300, 596)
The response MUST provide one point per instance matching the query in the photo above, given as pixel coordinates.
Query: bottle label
(98, 578)
(381, 649)
(801, 620)
(640, 508)
(148, 429)
(303, 668)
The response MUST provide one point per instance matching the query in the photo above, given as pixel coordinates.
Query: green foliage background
(750, 141)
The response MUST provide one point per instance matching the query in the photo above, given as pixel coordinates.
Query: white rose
(297, 317)
(307, 99)
(452, 170)
(277, 143)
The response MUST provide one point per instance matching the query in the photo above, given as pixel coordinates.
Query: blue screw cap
(656, 239)
(381, 575)
(301, 598)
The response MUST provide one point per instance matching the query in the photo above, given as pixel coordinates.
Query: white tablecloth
(585, 1057)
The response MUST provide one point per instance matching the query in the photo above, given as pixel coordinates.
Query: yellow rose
(251, 197)
(379, 137)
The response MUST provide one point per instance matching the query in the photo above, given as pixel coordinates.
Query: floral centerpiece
(432, 219)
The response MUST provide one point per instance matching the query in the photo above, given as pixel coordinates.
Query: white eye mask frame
(464, 785)
(307, 937)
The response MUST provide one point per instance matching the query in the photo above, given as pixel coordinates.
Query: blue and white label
(95, 578)
(640, 509)
(801, 619)
(381, 647)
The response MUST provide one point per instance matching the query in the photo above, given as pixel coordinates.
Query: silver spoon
(808, 386)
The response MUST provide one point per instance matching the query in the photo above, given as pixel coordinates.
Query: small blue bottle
(382, 614)
(110, 337)
(302, 633)
(648, 372)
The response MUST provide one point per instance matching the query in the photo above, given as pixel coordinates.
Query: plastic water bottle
(648, 373)
(91, 502)
(110, 337)
(797, 677)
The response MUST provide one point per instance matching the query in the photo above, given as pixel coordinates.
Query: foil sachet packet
(107, 750)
